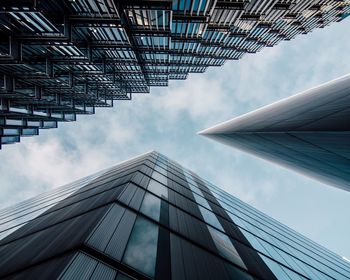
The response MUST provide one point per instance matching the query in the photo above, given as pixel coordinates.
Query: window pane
(225, 247)
(141, 251)
(210, 218)
(123, 277)
(201, 200)
(85, 267)
(161, 170)
(158, 189)
(159, 177)
(236, 273)
(275, 268)
(151, 206)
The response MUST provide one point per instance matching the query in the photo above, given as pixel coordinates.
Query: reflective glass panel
(141, 250)
(158, 189)
(151, 206)
(225, 247)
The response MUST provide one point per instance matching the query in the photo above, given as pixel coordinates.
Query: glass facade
(150, 218)
(61, 58)
(308, 132)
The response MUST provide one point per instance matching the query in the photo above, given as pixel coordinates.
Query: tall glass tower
(308, 132)
(59, 59)
(150, 218)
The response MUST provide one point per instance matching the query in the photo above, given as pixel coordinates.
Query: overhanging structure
(61, 58)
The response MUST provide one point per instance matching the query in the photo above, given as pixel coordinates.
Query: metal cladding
(59, 59)
(150, 218)
(308, 133)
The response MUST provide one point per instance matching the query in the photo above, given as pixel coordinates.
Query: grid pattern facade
(59, 59)
(149, 218)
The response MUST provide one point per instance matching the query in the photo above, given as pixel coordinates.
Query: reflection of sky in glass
(151, 206)
(14, 217)
(225, 247)
(272, 238)
(160, 169)
(160, 177)
(280, 271)
(141, 251)
(210, 218)
(9, 231)
(158, 189)
(257, 232)
(222, 242)
(201, 200)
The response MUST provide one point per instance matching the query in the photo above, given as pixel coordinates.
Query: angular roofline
(323, 89)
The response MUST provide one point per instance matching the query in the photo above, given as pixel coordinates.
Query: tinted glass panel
(151, 206)
(225, 247)
(158, 189)
(141, 250)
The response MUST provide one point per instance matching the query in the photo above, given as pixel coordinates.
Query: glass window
(85, 267)
(160, 164)
(293, 275)
(122, 276)
(78, 261)
(158, 189)
(151, 206)
(210, 218)
(161, 170)
(201, 200)
(102, 272)
(159, 177)
(275, 268)
(254, 241)
(236, 273)
(221, 240)
(141, 250)
(225, 247)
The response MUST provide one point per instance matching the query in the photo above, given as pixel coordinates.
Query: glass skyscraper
(308, 133)
(59, 59)
(150, 218)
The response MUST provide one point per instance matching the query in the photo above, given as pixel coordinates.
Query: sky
(168, 119)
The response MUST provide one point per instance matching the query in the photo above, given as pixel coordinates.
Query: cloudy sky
(167, 121)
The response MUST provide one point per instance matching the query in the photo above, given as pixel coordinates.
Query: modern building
(150, 218)
(59, 59)
(308, 132)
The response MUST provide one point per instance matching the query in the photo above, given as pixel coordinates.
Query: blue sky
(167, 121)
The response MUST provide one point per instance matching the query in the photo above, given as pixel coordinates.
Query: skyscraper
(150, 218)
(59, 59)
(308, 132)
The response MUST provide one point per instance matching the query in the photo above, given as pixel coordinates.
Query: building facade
(59, 59)
(150, 218)
(308, 133)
